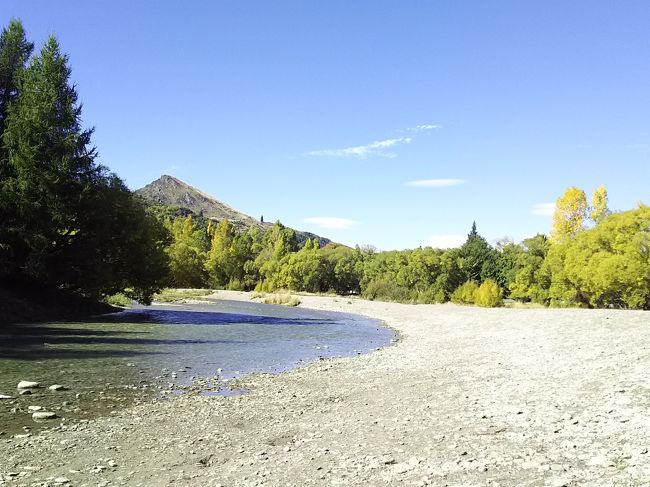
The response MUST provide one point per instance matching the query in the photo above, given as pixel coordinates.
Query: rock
(43, 415)
(57, 387)
(4, 396)
(25, 384)
(25, 392)
(61, 480)
(35, 408)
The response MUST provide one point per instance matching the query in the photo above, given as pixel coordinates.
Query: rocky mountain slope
(170, 191)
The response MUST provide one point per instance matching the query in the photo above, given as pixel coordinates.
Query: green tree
(605, 266)
(221, 261)
(488, 295)
(478, 258)
(186, 254)
(52, 164)
(72, 226)
(14, 53)
(531, 281)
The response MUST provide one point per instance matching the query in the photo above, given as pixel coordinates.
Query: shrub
(465, 293)
(118, 299)
(385, 290)
(432, 295)
(489, 295)
(283, 299)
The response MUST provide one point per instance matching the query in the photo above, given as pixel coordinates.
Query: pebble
(26, 384)
(61, 480)
(4, 396)
(34, 408)
(25, 392)
(57, 387)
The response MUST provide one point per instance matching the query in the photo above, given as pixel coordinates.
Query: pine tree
(14, 53)
(51, 160)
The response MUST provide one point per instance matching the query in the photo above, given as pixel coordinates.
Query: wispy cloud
(435, 183)
(446, 241)
(543, 209)
(331, 222)
(421, 128)
(376, 148)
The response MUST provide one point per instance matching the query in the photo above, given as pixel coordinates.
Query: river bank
(467, 396)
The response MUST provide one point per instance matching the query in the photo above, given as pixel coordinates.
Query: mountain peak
(170, 191)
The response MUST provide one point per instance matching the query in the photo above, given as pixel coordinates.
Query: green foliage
(466, 293)
(478, 260)
(386, 290)
(488, 295)
(532, 280)
(606, 266)
(187, 254)
(171, 295)
(119, 299)
(282, 299)
(67, 223)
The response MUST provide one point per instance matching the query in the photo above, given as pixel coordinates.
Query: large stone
(43, 415)
(26, 384)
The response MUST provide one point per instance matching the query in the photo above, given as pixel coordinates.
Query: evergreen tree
(51, 161)
(67, 223)
(478, 258)
(14, 53)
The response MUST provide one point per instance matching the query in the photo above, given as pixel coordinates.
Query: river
(154, 352)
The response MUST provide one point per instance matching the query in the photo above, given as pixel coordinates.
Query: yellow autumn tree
(599, 208)
(570, 213)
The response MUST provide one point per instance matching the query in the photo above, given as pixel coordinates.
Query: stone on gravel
(26, 384)
(4, 396)
(57, 387)
(43, 415)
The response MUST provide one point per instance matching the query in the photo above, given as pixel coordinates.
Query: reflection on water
(103, 361)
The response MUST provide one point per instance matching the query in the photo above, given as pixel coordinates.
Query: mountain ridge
(171, 191)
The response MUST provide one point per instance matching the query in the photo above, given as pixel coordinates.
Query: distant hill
(170, 191)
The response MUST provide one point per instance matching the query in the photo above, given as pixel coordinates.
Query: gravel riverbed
(466, 397)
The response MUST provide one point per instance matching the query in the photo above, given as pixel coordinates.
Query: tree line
(67, 224)
(593, 258)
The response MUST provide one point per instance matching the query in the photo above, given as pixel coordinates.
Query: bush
(386, 290)
(432, 295)
(118, 299)
(489, 295)
(283, 299)
(465, 293)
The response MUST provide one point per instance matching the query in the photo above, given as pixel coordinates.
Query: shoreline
(465, 396)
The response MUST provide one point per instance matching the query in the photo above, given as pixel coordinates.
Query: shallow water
(114, 360)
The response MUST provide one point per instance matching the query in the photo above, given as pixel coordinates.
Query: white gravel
(467, 397)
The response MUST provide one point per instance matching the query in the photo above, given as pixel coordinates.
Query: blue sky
(388, 123)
